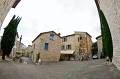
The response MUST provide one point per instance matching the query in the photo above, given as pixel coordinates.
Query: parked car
(95, 57)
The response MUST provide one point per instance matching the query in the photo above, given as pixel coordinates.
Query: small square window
(34, 46)
(68, 47)
(64, 39)
(62, 47)
(80, 38)
(52, 36)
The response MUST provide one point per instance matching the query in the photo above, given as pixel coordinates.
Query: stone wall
(54, 47)
(111, 9)
(80, 42)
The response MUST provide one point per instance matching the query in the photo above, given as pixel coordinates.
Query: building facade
(77, 45)
(111, 10)
(29, 51)
(46, 46)
(19, 50)
(100, 46)
(5, 6)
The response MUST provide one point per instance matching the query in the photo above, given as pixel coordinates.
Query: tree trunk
(110, 59)
(3, 56)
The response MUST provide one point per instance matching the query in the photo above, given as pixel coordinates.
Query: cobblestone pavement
(93, 69)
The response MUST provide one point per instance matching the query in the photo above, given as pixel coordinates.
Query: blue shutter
(46, 46)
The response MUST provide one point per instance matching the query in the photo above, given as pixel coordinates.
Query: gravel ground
(93, 69)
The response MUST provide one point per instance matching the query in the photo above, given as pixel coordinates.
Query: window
(62, 47)
(68, 47)
(34, 46)
(51, 37)
(80, 45)
(64, 39)
(46, 46)
(78, 39)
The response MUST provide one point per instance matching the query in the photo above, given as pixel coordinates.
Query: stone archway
(111, 9)
(5, 6)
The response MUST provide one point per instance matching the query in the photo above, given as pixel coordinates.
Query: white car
(95, 57)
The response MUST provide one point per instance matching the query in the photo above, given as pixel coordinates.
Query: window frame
(64, 39)
(63, 47)
(46, 46)
(69, 47)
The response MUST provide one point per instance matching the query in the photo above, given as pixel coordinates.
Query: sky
(61, 16)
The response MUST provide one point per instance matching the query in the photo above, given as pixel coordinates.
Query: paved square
(93, 69)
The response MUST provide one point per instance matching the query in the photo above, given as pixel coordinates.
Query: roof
(22, 46)
(67, 52)
(76, 34)
(45, 33)
(30, 45)
(68, 35)
(88, 34)
(98, 36)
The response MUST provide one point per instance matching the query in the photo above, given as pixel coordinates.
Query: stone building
(19, 50)
(111, 10)
(76, 46)
(5, 6)
(29, 51)
(46, 46)
(100, 46)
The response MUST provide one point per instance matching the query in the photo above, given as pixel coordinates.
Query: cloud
(64, 16)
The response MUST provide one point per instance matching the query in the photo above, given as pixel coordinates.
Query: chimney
(59, 34)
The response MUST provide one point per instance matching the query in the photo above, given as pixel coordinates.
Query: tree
(106, 34)
(9, 36)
